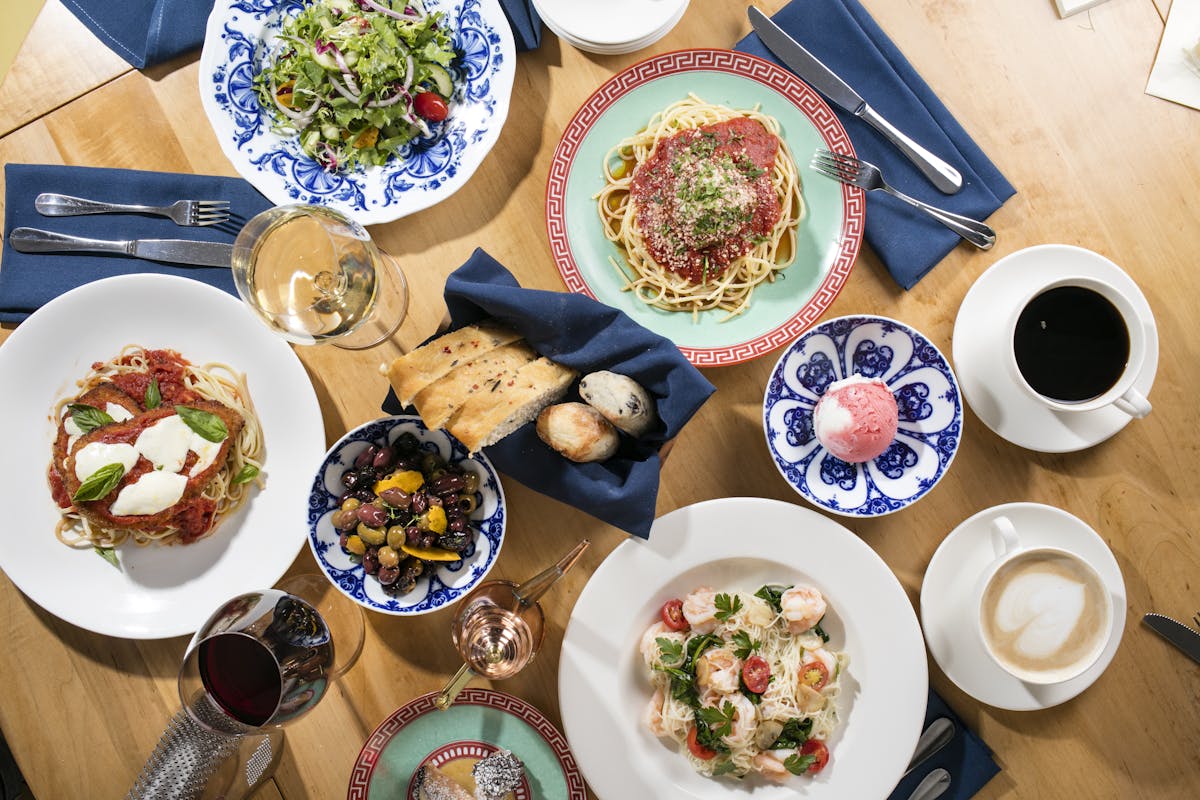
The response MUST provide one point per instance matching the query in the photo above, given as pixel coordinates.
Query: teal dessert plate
(479, 722)
(828, 238)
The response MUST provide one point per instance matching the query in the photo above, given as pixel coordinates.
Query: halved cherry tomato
(820, 753)
(756, 674)
(814, 674)
(430, 106)
(672, 615)
(698, 750)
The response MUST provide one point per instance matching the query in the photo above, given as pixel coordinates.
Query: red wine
(242, 676)
(1071, 344)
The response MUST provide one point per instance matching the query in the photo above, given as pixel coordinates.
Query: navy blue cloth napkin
(579, 332)
(843, 36)
(966, 758)
(145, 32)
(148, 32)
(29, 280)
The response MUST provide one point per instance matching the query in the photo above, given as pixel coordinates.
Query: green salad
(358, 79)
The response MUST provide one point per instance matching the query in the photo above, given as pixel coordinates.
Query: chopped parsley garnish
(798, 764)
(795, 733)
(726, 606)
(772, 595)
(745, 645)
(672, 652)
(719, 720)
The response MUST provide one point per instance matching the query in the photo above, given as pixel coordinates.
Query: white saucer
(980, 353)
(611, 27)
(948, 614)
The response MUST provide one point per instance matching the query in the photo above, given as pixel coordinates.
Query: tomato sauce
(704, 197)
(165, 365)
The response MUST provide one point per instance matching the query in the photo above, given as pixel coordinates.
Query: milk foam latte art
(1044, 615)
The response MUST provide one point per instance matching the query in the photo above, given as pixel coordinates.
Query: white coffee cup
(1044, 613)
(1139, 325)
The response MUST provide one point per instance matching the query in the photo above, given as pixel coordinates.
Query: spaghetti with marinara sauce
(704, 202)
(130, 394)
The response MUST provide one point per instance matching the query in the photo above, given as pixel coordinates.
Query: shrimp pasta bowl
(786, 660)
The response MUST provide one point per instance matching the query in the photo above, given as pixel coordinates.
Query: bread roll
(621, 400)
(577, 431)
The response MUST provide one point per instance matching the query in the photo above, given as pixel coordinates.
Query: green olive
(388, 557)
(395, 536)
(375, 536)
(351, 503)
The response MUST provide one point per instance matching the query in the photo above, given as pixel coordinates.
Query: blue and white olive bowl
(449, 580)
(927, 396)
(239, 40)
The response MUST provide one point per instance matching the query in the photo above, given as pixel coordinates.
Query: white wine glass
(314, 275)
(261, 661)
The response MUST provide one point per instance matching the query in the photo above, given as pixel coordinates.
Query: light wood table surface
(1057, 104)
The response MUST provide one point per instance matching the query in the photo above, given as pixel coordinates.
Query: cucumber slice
(441, 80)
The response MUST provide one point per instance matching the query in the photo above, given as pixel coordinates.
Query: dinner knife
(945, 177)
(172, 251)
(1185, 638)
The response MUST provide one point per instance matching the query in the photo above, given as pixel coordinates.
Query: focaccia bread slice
(486, 418)
(438, 401)
(414, 371)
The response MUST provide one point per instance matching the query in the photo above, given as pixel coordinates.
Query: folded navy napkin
(29, 280)
(966, 758)
(579, 332)
(145, 32)
(843, 36)
(148, 32)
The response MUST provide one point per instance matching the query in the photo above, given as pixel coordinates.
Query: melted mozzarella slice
(149, 494)
(206, 452)
(118, 414)
(166, 443)
(98, 454)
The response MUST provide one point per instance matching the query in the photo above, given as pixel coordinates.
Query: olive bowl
(441, 583)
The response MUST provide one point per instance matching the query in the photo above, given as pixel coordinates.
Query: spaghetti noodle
(704, 202)
(136, 389)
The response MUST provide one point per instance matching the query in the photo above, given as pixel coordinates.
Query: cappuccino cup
(1044, 614)
(1079, 344)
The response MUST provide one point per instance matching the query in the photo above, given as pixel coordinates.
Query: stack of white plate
(610, 26)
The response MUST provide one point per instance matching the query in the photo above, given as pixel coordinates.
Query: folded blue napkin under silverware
(579, 332)
(29, 280)
(844, 37)
(965, 757)
(148, 32)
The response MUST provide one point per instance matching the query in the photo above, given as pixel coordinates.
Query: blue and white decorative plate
(451, 579)
(926, 393)
(239, 39)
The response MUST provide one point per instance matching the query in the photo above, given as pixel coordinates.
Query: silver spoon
(935, 785)
(936, 736)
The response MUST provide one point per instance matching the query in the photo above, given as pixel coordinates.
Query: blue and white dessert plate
(449, 580)
(238, 41)
(927, 396)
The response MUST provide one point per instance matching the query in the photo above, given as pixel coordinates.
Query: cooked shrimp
(745, 718)
(700, 610)
(770, 766)
(718, 669)
(652, 716)
(758, 611)
(649, 647)
(803, 607)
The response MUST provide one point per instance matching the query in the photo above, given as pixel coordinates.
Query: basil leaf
(99, 483)
(108, 554)
(246, 474)
(207, 426)
(88, 418)
(153, 397)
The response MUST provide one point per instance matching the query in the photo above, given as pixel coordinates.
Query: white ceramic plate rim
(728, 543)
(980, 358)
(160, 591)
(611, 24)
(947, 610)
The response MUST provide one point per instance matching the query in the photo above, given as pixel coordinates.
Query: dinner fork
(184, 212)
(856, 172)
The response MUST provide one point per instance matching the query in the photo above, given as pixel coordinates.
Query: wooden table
(1059, 106)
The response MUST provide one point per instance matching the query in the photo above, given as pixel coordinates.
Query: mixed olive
(403, 508)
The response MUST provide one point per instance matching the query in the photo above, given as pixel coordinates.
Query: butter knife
(171, 251)
(1185, 638)
(945, 177)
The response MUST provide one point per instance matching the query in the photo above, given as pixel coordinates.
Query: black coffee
(1071, 344)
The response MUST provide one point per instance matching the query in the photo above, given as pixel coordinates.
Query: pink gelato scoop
(855, 420)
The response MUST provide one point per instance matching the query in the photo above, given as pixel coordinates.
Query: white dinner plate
(741, 544)
(950, 616)
(980, 352)
(159, 591)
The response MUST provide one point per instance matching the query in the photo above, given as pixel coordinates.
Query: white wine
(313, 276)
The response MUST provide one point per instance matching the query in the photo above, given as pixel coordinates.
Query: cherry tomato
(430, 106)
(820, 753)
(672, 615)
(698, 750)
(756, 674)
(814, 674)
